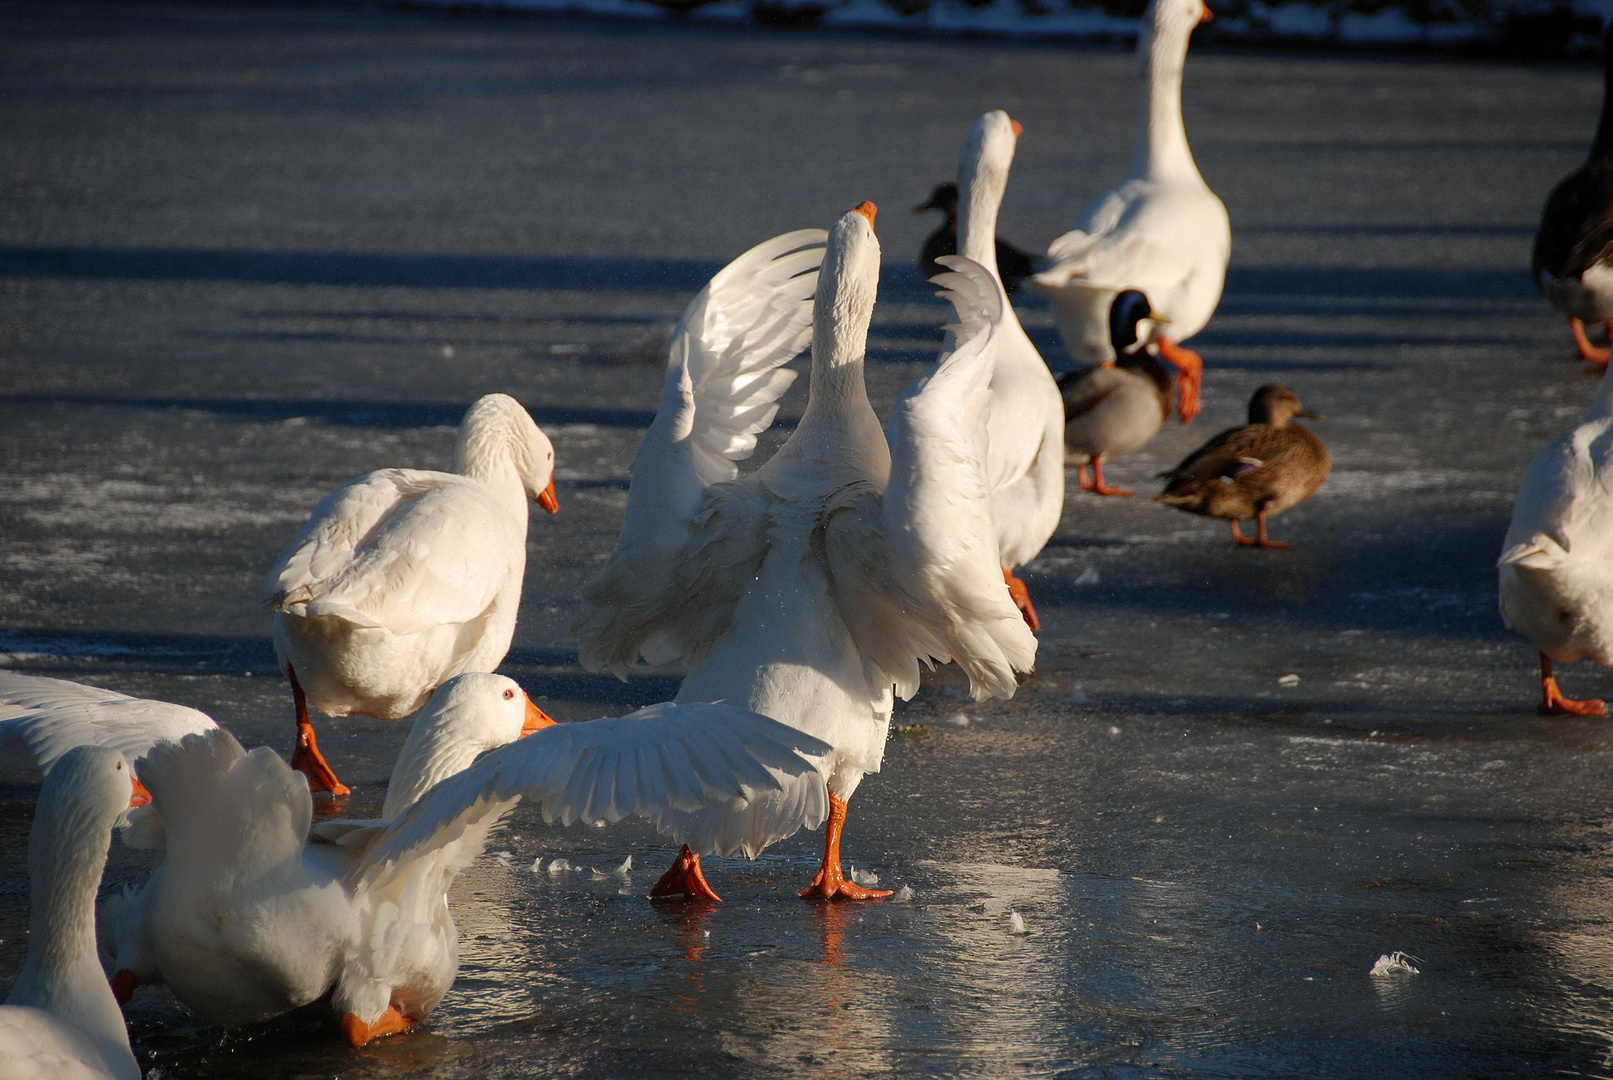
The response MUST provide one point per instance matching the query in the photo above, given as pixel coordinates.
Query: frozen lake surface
(248, 252)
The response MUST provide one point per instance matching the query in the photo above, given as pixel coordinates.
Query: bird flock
(797, 601)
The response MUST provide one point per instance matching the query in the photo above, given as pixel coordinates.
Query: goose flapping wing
(916, 569)
(52, 716)
(693, 770)
(725, 374)
(404, 549)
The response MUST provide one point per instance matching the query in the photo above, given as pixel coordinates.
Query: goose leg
(1552, 702)
(1587, 351)
(1081, 478)
(684, 879)
(1191, 366)
(1022, 599)
(306, 758)
(831, 883)
(391, 1022)
(1098, 486)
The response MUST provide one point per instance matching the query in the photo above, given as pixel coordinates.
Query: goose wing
(1565, 502)
(51, 716)
(916, 569)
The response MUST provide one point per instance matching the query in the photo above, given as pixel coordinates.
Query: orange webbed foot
(391, 1022)
(307, 760)
(1022, 599)
(835, 886)
(684, 879)
(1553, 703)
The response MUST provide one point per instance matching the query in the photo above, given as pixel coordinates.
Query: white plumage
(1162, 230)
(1556, 565)
(60, 1020)
(812, 589)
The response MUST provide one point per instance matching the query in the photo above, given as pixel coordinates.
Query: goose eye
(509, 695)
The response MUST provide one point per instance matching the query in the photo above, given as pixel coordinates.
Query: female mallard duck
(1573, 257)
(1116, 407)
(1255, 471)
(1013, 265)
(1162, 230)
(1557, 563)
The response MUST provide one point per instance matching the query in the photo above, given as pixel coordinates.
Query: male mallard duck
(1557, 562)
(1116, 407)
(1573, 257)
(1255, 471)
(1013, 265)
(1162, 230)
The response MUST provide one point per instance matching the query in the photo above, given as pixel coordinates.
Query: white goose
(814, 588)
(404, 578)
(1025, 464)
(254, 911)
(1557, 563)
(1162, 230)
(60, 1021)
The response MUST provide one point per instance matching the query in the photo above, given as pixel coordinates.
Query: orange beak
(1019, 129)
(536, 719)
(1207, 16)
(867, 210)
(547, 500)
(141, 796)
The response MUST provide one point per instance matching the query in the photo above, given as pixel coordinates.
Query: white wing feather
(692, 770)
(51, 716)
(917, 572)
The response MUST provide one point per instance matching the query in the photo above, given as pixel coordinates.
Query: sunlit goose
(1162, 230)
(1255, 471)
(60, 1020)
(254, 911)
(1557, 563)
(815, 587)
(404, 578)
(1025, 460)
(1573, 256)
(1013, 265)
(1116, 407)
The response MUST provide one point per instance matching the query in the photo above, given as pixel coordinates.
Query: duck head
(945, 199)
(1276, 404)
(496, 430)
(1128, 312)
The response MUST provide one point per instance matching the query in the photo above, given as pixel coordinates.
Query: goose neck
(1162, 149)
(489, 456)
(981, 198)
(431, 753)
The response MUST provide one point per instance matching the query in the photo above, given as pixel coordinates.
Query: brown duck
(1255, 471)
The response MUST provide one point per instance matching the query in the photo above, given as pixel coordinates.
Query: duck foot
(1098, 487)
(1190, 365)
(1021, 597)
(831, 883)
(1552, 702)
(306, 758)
(1260, 539)
(123, 983)
(392, 1022)
(1587, 351)
(684, 879)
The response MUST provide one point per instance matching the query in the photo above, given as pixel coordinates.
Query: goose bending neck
(435, 750)
(1162, 150)
(492, 448)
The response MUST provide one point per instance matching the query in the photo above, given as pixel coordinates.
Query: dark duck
(1013, 264)
(1255, 471)
(1573, 256)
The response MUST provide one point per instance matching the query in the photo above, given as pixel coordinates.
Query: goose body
(1573, 254)
(813, 589)
(1162, 230)
(1556, 565)
(60, 1020)
(404, 578)
(1255, 471)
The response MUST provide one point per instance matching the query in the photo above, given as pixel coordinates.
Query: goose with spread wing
(404, 578)
(60, 1020)
(1556, 565)
(1162, 230)
(813, 589)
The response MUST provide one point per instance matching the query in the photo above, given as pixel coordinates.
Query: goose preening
(1573, 255)
(1115, 408)
(1556, 565)
(813, 589)
(255, 911)
(1162, 230)
(1255, 471)
(1025, 455)
(1013, 265)
(404, 578)
(60, 1019)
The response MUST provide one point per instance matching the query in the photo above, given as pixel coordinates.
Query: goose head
(1169, 23)
(1276, 404)
(467, 716)
(1128, 314)
(496, 430)
(83, 795)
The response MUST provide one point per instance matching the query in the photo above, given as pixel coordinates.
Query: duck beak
(547, 500)
(1307, 414)
(1019, 129)
(536, 719)
(1207, 16)
(141, 796)
(867, 210)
